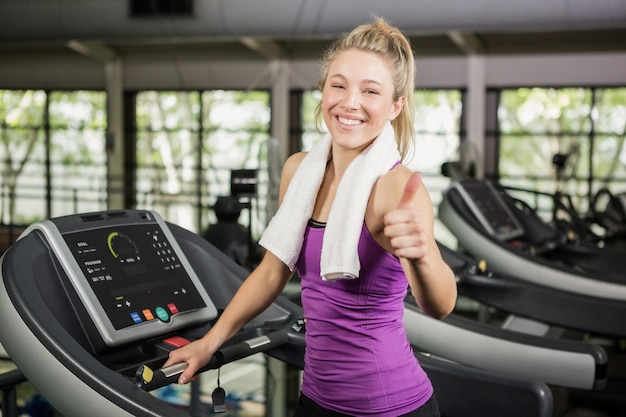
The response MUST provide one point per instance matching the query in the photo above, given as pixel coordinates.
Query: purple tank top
(358, 360)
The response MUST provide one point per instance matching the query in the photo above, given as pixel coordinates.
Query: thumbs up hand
(403, 226)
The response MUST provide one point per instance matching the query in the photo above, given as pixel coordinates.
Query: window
(77, 151)
(52, 154)
(437, 128)
(609, 145)
(187, 145)
(562, 139)
(23, 117)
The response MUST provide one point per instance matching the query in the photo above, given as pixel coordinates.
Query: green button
(162, 314)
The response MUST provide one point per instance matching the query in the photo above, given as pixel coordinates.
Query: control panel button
(162, 314)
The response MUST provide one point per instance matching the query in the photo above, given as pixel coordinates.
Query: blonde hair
(391, 45)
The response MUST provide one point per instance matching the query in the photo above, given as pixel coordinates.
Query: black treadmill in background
(535, 271)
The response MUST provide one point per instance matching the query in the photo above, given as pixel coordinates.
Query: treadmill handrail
(148, 379)
(513, 354)
(502, 259)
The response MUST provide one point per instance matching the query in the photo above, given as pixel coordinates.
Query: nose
(350, 99)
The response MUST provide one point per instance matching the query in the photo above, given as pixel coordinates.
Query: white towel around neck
(284, 234)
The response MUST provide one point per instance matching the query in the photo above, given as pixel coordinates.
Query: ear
(396, 107)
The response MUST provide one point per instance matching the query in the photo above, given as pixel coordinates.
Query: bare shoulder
(390, 187)
(398, 175)
(291, 165)
(289, 169)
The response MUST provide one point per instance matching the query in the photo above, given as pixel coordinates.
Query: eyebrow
(372, 82)
(366, 81)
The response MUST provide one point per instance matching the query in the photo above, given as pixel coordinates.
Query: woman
(357, 225)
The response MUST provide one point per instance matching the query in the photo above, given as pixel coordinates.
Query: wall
(66, 69)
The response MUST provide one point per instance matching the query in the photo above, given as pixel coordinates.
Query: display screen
(134, 273)
(491, 210)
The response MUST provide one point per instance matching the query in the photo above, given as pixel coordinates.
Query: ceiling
(300, 29)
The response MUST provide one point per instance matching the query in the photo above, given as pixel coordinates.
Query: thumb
(409, 190)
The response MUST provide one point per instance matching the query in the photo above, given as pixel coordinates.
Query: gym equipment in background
(590, 281)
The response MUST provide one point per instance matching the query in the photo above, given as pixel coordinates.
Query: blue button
(135, 316)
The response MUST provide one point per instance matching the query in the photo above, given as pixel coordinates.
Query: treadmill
(93, 303)
(539, 272)
(563, 363)
(528, 300)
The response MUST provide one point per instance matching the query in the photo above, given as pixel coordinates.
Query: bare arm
(257, 293)
(410, 229)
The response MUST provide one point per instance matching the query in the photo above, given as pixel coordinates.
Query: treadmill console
(489, 208)
(129, 274)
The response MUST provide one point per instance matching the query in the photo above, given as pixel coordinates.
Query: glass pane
(528, 162)
(545, 143)
(22, 155)
(609, 162)
(167, 110)
(609, 157)
(311, 135)
(611, 111)
(437, 127)
(167, 154)
(236, 127)
(437, 119)
(77, 151)
(545, 110)
(187, 145)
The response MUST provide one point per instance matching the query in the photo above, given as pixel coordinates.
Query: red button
(176, 341)
(173, 308)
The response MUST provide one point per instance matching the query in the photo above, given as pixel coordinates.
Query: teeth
(351, 122)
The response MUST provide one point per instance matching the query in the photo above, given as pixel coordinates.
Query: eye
(337, 85)
(370, 91)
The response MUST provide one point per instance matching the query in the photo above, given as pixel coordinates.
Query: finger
(170, 361)
(410, 189)
(186, 376)
(174, 357)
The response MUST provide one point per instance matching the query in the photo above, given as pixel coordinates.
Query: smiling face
(357, 98)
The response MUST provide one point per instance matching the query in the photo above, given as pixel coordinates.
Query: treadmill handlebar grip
(148, 379)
